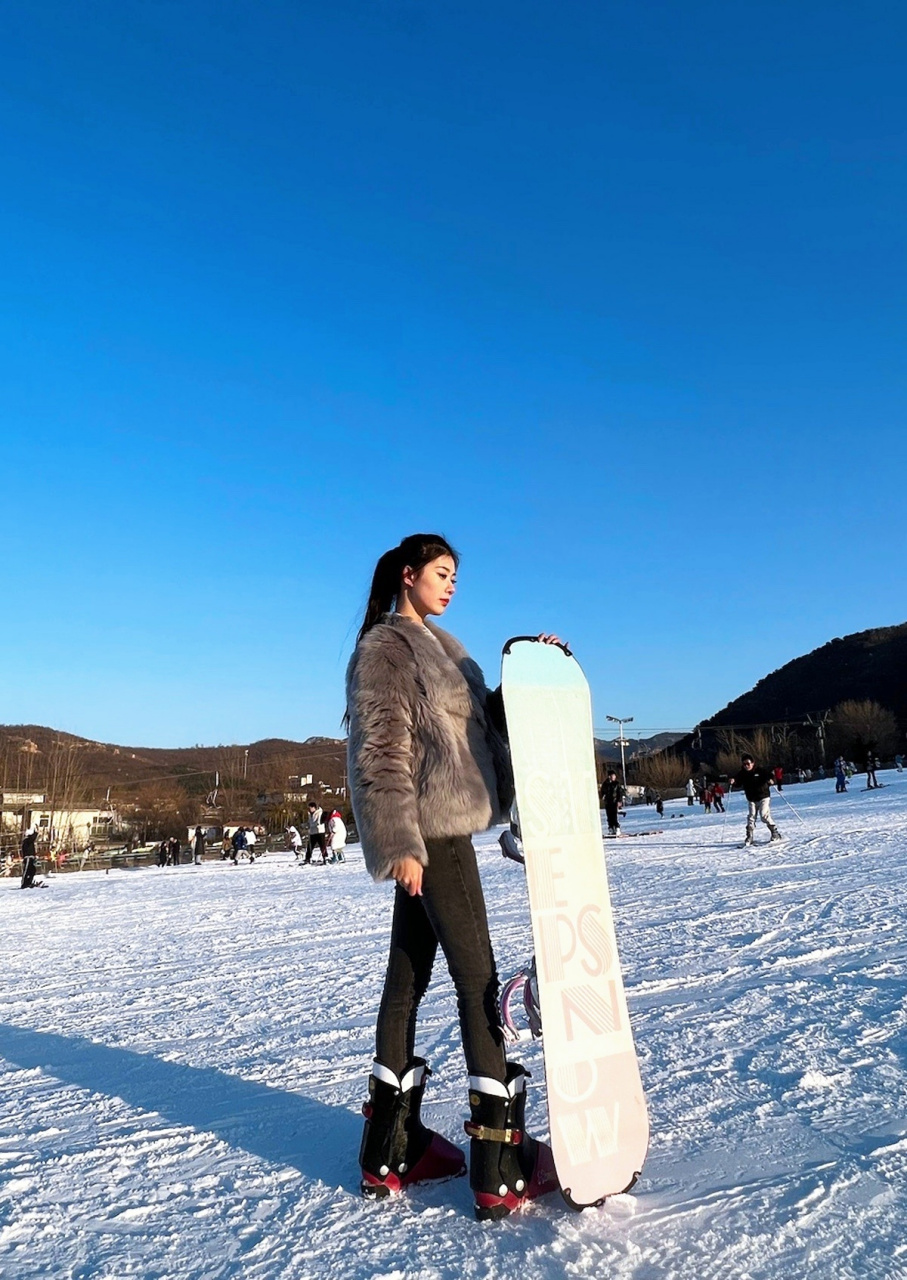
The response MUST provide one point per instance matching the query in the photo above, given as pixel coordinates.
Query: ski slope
(183, 1054)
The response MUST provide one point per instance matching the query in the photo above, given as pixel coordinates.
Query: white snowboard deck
(599, 1123)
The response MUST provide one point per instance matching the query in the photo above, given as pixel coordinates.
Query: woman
(335, 829)
(428, 767)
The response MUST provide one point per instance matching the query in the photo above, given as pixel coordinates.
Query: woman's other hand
(408, 874)
(553, 640)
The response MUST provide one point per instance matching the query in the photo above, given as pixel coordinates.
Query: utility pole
(245, 763)
(622, 742)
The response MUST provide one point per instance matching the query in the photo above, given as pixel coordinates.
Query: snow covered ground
(183, 1054)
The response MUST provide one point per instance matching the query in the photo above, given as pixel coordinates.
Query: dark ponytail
(414, 552)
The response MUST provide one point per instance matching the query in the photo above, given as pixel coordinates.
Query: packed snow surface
(184, 1054)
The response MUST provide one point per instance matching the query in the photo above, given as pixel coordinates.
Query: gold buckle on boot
(483, 1132)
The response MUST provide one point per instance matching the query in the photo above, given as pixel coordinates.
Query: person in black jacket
(612, 794)
(29, 858)
(756, 785)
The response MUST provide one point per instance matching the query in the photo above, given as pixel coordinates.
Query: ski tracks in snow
(183, 1055)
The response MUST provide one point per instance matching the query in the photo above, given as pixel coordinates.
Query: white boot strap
(384, 1074)
(413, 1077)
(485, 1084)
(516, 1086)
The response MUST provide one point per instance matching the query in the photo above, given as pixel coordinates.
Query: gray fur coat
(425, 757)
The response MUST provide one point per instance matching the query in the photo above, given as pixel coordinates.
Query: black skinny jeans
(451, 911)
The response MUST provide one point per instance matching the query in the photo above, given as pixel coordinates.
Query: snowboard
(597, 1110)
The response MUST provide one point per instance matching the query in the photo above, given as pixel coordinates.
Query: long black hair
(414, 552)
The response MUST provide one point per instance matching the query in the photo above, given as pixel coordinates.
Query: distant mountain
(868, 665)
(606, 750)
(29, 756)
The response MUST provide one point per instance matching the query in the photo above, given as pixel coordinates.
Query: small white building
(15, 807)
(71, 828)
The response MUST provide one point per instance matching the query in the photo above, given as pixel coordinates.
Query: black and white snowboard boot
(776, 835)
(749, 839)
(507, 1168)
(397, 1150)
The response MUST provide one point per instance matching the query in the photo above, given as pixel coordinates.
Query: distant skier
(778, 775)
(839, 775)
(899, 763)
(295, 841)
(198, 846)
(612, 794)
(659, 804)
(316, 832)
(239, 843)
(718, 797)
(871, 764)
(335, 830)
(251, 842)
(428, 767)
(162, 851)
(691, 792)
(173, 850)
(756, 785)
(29, 856)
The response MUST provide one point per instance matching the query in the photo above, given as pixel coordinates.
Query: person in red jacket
(778, 775)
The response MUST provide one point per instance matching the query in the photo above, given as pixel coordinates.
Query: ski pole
(791, 807)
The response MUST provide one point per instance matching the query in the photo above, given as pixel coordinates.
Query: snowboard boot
(397, 1149)
(507, 1168)
(749, 839)
(776, 834)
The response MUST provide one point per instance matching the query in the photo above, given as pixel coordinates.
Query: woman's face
(430, 590)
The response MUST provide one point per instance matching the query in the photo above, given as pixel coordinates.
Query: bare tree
(663, 770)
(758, 743)
(65, 785)
(858, 727)
(163, 809)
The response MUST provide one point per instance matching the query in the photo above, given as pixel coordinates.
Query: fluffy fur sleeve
(380, 696)
(492, 704)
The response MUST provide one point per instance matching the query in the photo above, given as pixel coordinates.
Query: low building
(69, 826)
(15, 806)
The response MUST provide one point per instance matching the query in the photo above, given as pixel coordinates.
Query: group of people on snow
(168, 852)
(326, 831)
(241, 844)
(707, 792)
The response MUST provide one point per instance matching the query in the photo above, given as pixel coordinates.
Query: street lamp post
(622, 742)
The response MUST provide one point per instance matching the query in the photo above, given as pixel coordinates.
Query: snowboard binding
(510, 846)
(520, 996)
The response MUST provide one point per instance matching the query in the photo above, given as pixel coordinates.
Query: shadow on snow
(284, 1128)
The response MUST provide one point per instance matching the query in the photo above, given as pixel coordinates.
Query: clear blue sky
(612, 294)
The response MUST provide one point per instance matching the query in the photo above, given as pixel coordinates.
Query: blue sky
(612, 295)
